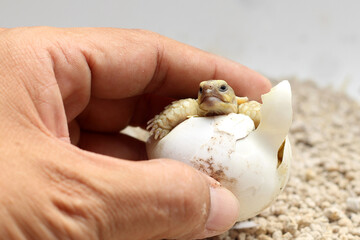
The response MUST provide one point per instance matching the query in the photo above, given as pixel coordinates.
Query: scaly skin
(173, 114)
(215, 97)
(251, 109)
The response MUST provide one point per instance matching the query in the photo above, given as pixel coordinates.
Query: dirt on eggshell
(322, 197)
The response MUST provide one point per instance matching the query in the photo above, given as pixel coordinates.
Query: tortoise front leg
(174, 114)
(251, 109)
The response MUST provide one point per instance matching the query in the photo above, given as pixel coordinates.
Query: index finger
(116, 64)
(176, 69)
(127, 63)
(137, 62)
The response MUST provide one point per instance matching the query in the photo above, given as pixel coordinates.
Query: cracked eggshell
(229, 149)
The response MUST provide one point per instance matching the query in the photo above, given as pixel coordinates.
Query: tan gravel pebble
(287, 236)
(322, 198)
(345, 222)
(353, 204)
(277, 235)
(333, 214)
(355, 232)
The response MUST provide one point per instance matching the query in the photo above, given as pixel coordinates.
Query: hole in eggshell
(280, 154)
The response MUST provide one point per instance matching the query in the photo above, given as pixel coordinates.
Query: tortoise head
(216, 97)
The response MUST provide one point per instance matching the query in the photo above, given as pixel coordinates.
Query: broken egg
(252, 163)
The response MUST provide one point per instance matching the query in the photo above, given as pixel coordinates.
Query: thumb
(154, 199)
(180, 202)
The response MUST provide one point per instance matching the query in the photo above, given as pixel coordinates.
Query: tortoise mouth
(213, 104)
(211, 97)
(210, 100)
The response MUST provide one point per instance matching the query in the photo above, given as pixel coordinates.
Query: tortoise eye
(223, 88)
(200, 90)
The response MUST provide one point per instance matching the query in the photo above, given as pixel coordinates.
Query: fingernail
(224, 211)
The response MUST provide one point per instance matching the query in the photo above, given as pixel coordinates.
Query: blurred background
(316, 40)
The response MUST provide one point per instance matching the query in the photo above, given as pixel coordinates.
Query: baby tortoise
(215, 97)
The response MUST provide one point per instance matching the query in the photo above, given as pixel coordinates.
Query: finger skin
(70, 193)
(99, 80)
(115, 64)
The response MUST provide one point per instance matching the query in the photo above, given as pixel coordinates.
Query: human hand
(86, 85)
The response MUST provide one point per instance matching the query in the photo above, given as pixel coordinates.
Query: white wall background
(318, 39)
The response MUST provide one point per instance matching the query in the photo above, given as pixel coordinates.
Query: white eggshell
(228, 149)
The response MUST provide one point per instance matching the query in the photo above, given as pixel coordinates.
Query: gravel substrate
(322, 198)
